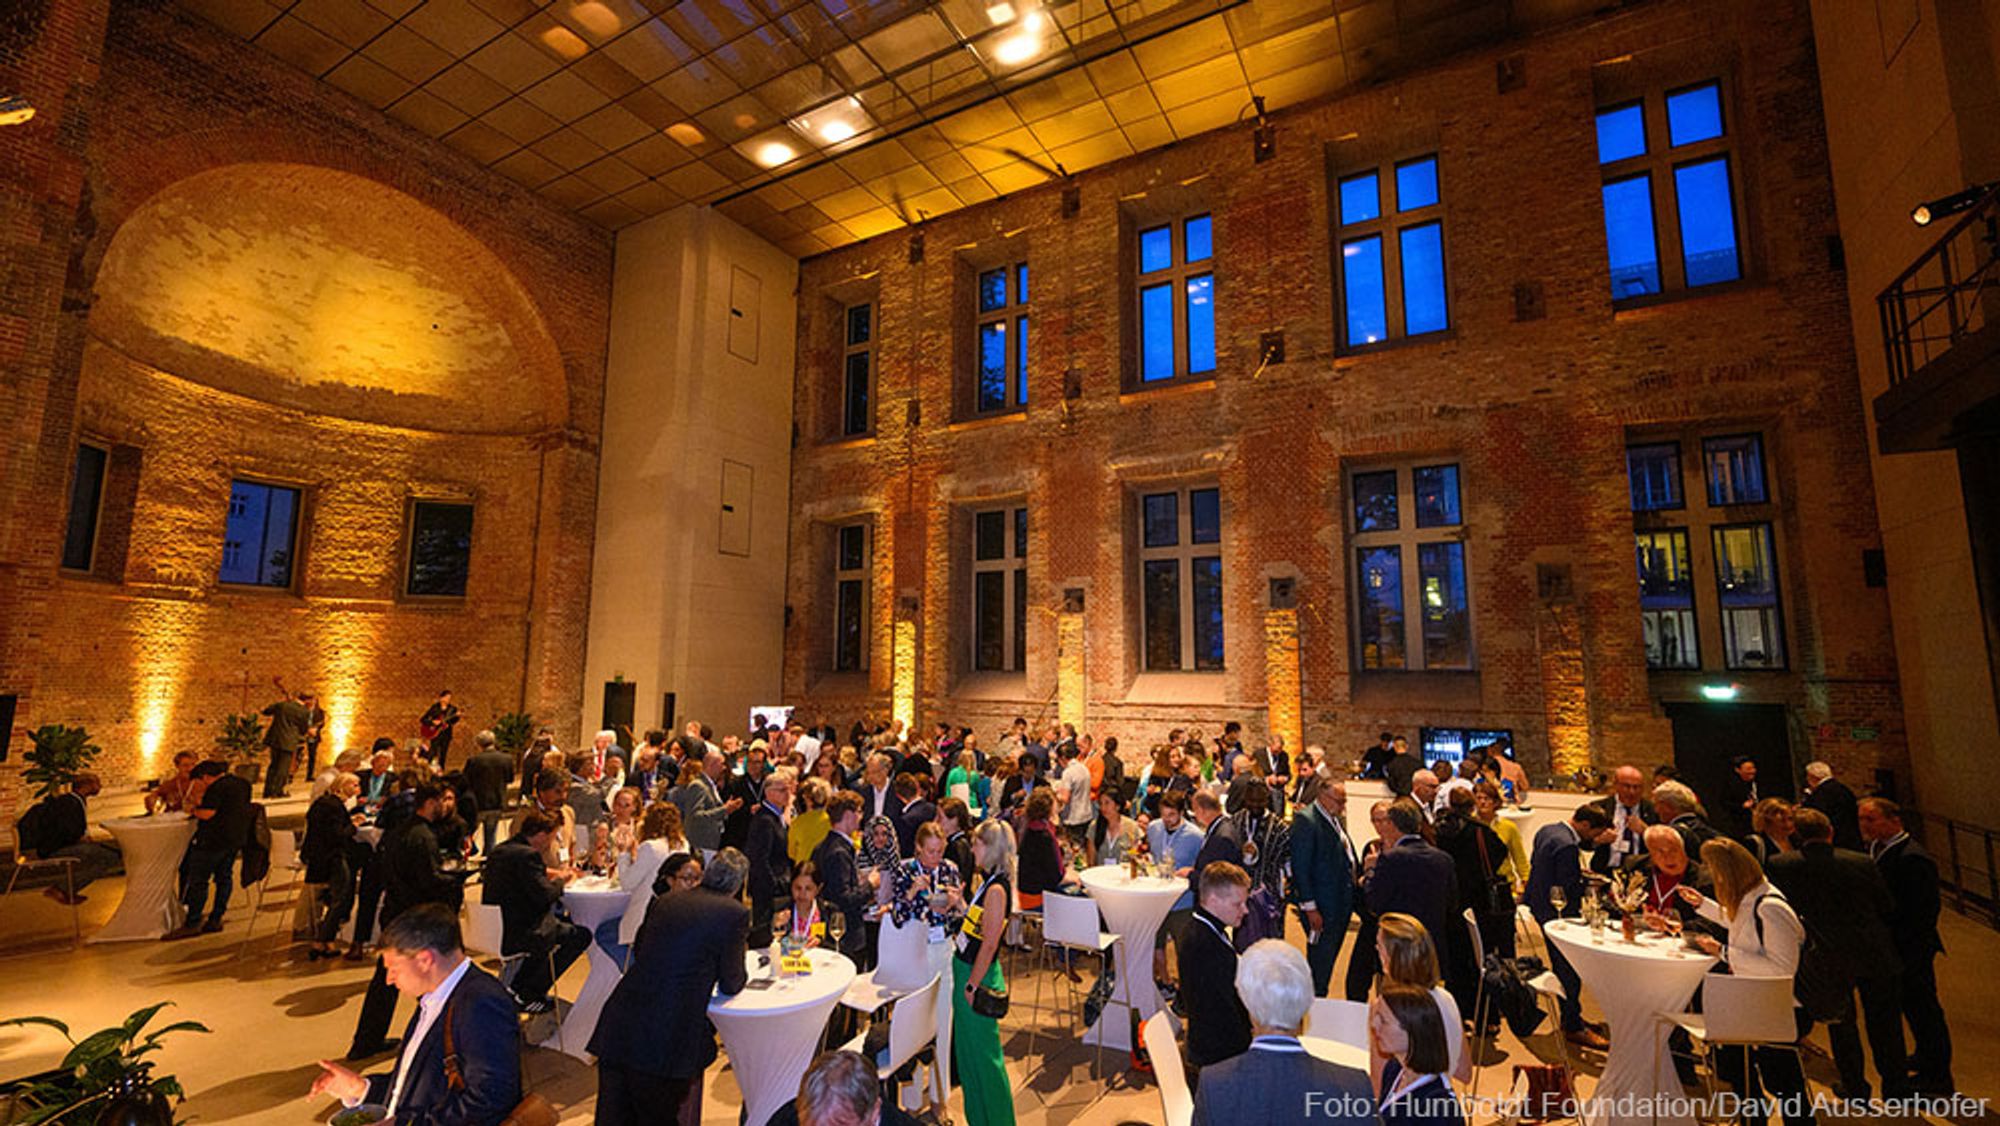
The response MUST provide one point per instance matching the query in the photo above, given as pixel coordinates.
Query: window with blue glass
(857, 390)
(1001, 371)
(1180, 579)
(260, 535)
(999, 590)
(1654, 472)
(850, 597)
(1177, 301)
(1391, 238)
(1735, 466)
(1666, 599)
(1670, 216)
(1410, 518)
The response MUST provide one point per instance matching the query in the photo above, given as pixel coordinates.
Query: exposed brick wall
(1536, 412)
(160, 650)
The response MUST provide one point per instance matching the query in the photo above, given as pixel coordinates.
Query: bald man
(1630, 813)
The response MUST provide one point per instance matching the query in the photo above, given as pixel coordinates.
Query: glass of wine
(836, 928)
(1558, 899)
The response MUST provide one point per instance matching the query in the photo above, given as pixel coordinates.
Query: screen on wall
(774, 716)
(1451, 743)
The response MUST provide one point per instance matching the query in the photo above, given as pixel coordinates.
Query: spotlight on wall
(1264, 138)
(15, 109)
(1924, 214)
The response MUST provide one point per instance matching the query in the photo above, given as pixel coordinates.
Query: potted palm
(58, 754)
(238, 740)
(513, 731)
(105, 1078)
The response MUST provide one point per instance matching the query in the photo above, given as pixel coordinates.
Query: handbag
(987, 1002)
(1499, 889)
(532, 1110)
(1550, 1092)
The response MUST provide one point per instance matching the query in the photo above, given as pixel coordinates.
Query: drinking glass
(1558, 899)
(836, 929)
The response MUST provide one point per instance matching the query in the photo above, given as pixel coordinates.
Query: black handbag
(1499, 889)
(989, 1002)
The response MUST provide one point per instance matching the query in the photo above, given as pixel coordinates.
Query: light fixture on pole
(1928, 212)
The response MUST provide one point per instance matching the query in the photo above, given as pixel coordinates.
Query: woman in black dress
(1408, 1058)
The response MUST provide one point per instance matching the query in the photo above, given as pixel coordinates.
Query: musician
(435, 725)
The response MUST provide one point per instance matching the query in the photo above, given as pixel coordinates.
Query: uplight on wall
(15, 110)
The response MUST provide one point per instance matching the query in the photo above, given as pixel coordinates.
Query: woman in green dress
(982, 1068)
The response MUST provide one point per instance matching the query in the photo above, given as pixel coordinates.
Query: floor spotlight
(15, 109)
(1924, 214)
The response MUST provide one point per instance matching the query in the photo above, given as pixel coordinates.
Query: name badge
(936, 934)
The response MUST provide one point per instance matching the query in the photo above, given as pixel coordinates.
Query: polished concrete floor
(273, 1013)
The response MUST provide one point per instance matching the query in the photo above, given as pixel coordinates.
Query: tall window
(260, 534)
(1669, 199)
(1176, 301)
(1392, 253)
(857, 387)
(1000, 590)
(1003, 339)
(1180, 564)
(850, 597)
(86, 500)
(1411, 608)
(440, 549)
(1724, 529)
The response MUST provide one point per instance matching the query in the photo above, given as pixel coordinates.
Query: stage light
(1017, 48)
(1928, 212)
(597, 18)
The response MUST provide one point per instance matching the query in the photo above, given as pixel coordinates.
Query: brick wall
(1536, 410)
(150, 656)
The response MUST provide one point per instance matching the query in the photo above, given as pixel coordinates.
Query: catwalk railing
(1940, 299)
(1966, 867)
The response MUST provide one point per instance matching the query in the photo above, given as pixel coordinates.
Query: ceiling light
(685, 133)
(565, 42)
(597, 18)
(834, 122)
(1017, 48)
(1032, 21)
(15, 109)
(1001, 13)
(770, 154)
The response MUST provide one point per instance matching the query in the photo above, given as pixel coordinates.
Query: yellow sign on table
(795, 963)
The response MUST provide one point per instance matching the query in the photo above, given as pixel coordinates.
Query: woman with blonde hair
(1771, 830)
(660, 837)
(1765, 937)
(1408, 956)
(811, 825)
(982, 1068)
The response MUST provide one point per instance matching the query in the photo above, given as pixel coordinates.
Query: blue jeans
(607, 937)
(198, 867)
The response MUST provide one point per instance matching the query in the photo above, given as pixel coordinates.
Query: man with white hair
(601, 745)
(770, 862)
(1675, 805)
(1424, 788)
(1276, 1081)
(1831, 796)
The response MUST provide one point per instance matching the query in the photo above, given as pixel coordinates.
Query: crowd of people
(807, 833)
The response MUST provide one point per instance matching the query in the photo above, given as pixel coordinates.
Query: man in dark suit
(1401, 769)
(380, 778)
(1912, 876)
(841, 1090)
(1740, 795)
(1276, 1080)
(1846, 907)
(283, 736)
(1831, 796)
(1558, 863)
(878, 797)
(840, 872)
(916, 811)
(1375, 760)
(63, 829)
(462, 1012)
(1414, 877)
(487, 775)
(412, 875)
(1218, 1027)
(653, 1040)
(528, 895)
(224, 810)
(748, 789)
(1628, 813)
(1324, 864)
(1675, 804)
(770, 863)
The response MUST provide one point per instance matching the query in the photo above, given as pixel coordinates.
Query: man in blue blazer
(1323, 866)
(462, 1012)
(1276, 1081)
(1413, 877)
(1558, 863)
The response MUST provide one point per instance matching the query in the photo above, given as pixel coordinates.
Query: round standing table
(152, 847)
(1133, 910)
(590, 900)
(1634, 983)
(772, 1034)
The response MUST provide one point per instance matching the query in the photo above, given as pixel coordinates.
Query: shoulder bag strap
(454, 1078)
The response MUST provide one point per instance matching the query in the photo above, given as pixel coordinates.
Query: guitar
(430, 728)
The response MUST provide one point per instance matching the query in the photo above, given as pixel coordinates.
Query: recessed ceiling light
(1017, 48)
(597, 18)
(834, 122)
(1032, 21)
(1001, 13)
(770, 154)
(685, 133)
(565, 42)
(744, 121)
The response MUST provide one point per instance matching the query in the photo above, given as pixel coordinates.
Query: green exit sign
(1863, 734)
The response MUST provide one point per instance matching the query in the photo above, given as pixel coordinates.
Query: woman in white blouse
(1765, 937)
(1408, 956)
(660, 836)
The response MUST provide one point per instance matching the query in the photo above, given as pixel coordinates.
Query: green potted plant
(105, 1078)
(513, 731)
(58, 755)
(239, 740)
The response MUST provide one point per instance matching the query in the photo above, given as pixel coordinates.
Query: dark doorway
(621, 698)
(667, 713)
(1708, 736)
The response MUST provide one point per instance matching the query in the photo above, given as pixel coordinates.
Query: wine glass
(836, 928)
(1558, 899)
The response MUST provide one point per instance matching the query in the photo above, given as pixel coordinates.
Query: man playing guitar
(434, 727)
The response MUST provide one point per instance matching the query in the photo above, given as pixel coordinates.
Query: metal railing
(1966, 867)
(1937, 301)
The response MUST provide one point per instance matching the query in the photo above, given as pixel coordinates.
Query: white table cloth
(772, 1034)
(1134, 910)
(153, 847)
(1634, 983)
(590, 900)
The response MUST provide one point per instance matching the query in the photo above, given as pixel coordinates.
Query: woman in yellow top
(809, 827)
(1486, 807)
(982, 1068)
